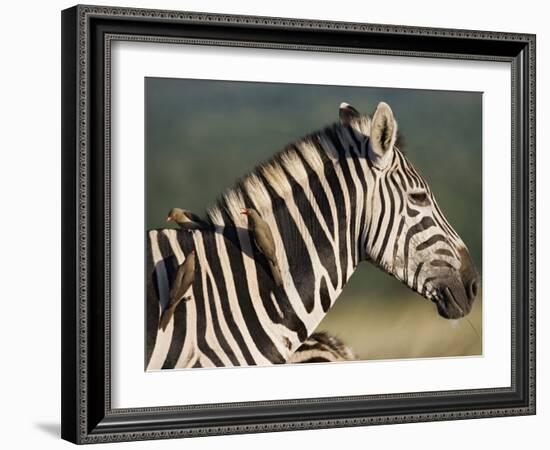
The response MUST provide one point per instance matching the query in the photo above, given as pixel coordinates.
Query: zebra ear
(347, 113)
(382, 135)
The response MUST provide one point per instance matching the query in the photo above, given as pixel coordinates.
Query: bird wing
(276, 273)
(167, 315)
(176, 292)
(192, 216)
(266, 244)
(186, 283)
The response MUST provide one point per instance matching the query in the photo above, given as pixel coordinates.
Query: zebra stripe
(321, 347)
(332, 199)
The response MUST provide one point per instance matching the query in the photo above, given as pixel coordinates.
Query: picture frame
(88, 33)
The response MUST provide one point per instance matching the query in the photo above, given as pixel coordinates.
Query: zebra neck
(317, 223)
(312, 198)
(280, 319)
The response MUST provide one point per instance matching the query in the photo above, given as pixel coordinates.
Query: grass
(402, 327)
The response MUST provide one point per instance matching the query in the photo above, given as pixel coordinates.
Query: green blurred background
(202, 135)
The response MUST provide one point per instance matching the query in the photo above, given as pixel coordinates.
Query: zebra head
(405, 232)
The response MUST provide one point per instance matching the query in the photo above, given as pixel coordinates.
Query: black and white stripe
(321, 347)
(331, 199)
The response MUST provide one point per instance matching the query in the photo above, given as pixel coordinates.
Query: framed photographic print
(236, 191)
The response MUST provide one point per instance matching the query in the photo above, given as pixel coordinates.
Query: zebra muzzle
(449, 307)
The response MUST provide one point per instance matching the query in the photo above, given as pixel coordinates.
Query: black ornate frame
(87, 34)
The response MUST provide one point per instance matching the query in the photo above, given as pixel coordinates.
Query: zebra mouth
(448, 306)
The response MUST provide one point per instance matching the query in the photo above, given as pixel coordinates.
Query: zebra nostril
(471, 289)
(469, 275)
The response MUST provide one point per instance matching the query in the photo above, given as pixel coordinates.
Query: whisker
(473, 328)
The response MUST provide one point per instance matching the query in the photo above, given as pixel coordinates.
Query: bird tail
(166, 316)
(276, 273)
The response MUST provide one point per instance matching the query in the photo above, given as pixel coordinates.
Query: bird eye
(419, 198)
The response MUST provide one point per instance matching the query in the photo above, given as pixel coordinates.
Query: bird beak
(244, 211)
(169, 218)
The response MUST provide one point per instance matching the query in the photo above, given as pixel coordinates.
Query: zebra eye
(419, 198)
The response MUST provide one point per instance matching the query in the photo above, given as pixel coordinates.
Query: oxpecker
(186, 219)
(183, 281)
(263, 238)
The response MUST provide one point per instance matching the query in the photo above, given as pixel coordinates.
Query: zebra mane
(273, 171)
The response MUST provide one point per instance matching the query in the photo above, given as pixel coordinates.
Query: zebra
(322, 347)
(339, 196)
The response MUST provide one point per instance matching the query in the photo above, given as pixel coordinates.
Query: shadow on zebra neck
(230, 234)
